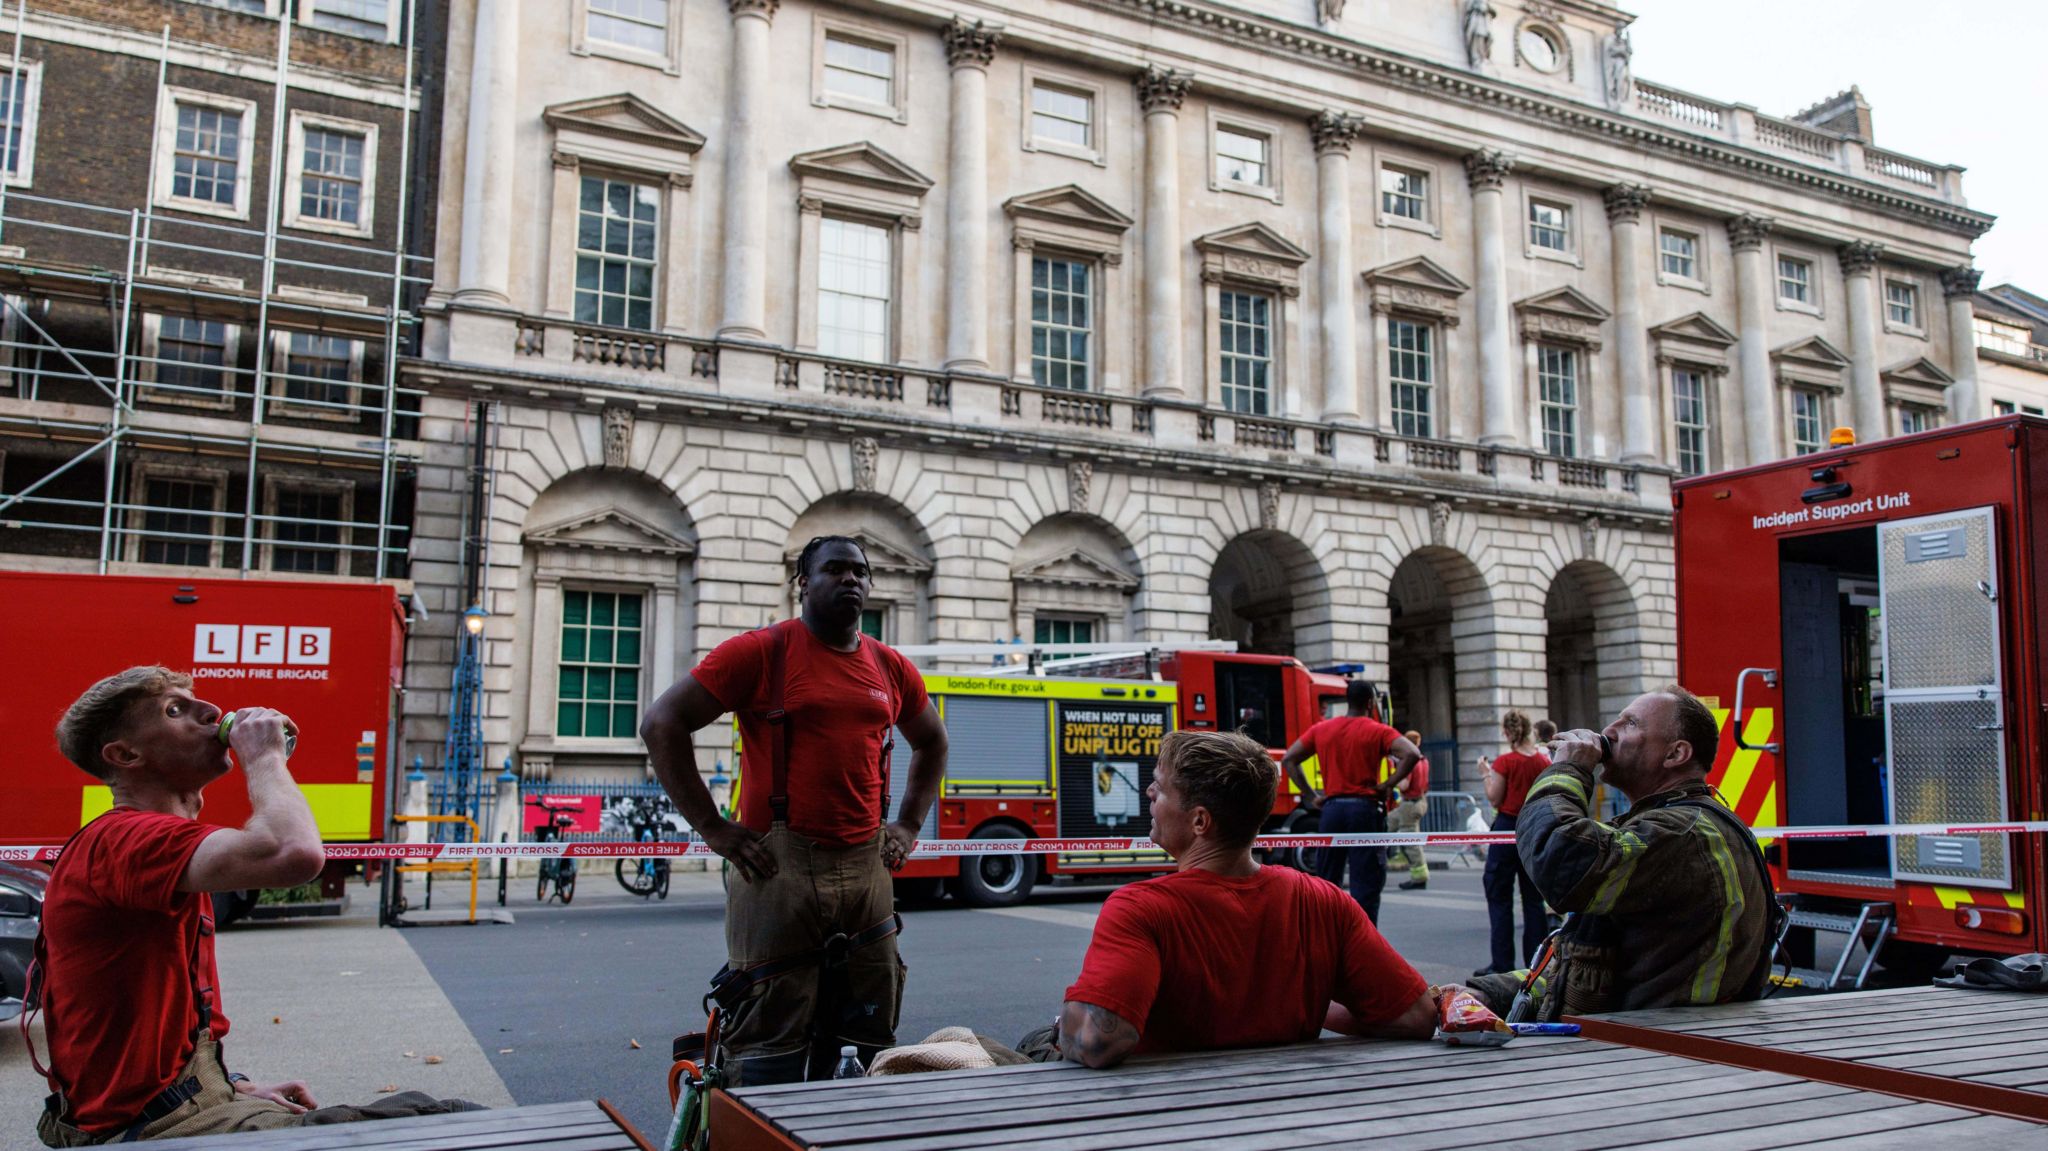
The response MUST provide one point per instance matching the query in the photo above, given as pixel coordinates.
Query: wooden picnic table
(581, 1126)
(1563, 1094)
(1987, 1050)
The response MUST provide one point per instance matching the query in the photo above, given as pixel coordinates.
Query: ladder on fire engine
(1870, 926)
(1019, 658)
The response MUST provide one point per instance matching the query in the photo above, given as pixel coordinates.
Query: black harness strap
(776, 716)
(731, 984)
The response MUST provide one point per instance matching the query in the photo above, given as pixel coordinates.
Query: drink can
(227, 722)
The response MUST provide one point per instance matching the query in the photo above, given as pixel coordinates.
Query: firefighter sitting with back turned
(1668, 906)
(810, 931)
(1224, 952)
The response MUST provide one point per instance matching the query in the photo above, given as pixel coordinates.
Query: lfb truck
(327, 654)
(1043, 756)
(1866, 623)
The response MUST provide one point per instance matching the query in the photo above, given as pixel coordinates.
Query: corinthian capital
(1960, 280)
(1625, 202)
(1488, 168)
(1333, 131)
(1163, 89)
(971, 44)
(763, 8)
(1859, 256)
(1747, 232)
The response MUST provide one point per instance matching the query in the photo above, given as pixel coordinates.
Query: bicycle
(560, 871)
(645, 876)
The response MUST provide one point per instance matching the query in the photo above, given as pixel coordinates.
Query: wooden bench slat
(462, 1129)
(1767, 1109)
(1904, 1014)
(1913, 1127)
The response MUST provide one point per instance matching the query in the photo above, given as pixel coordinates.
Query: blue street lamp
(462, 760)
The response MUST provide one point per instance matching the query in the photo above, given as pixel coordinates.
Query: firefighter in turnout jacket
(1668, 906)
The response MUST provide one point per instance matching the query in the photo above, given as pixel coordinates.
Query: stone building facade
(1365, 332)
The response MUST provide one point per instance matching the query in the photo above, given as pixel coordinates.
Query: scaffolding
(111, 358)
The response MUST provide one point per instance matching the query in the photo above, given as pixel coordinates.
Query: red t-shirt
(1350, 748)
(118, 1005)
(1198, 961)
(1417, 783)
(1520, 771)
(840, 706)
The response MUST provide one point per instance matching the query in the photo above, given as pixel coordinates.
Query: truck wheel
(1300, 858)
(229, 906)
(996, 880)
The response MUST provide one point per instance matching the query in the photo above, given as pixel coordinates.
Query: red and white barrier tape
(949, 848)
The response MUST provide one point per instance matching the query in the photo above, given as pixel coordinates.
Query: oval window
(1539, 49)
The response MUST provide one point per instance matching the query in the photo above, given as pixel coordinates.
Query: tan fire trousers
(817, 891)
(218, 1109)
(1407, 816)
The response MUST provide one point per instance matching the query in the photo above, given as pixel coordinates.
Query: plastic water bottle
(849, 1065)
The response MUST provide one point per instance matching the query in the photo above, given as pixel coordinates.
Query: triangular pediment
(1697, 328)
(1255, 240)
(1070, 204)
(1813, 352)
(1919, 370)
(1420, 272)
(883, 556)
(610, 529)
(625, 117)
(861, 163)
(1078, 567)
(1565, 302)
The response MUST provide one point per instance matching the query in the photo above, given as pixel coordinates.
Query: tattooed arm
(1094, 1036)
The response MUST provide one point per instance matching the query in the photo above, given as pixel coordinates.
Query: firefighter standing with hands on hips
(1670, 905)
(810, 929)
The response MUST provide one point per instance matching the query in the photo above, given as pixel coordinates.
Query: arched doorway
(1592, 653)
(900, 557)
(1268, 593)
(1438, 657)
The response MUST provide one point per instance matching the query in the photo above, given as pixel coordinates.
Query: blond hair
(101, 715)
(1227, 772)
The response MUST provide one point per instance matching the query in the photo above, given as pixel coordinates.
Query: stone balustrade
(699, 370)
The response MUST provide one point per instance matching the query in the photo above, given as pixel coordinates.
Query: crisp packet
(1463, 1021)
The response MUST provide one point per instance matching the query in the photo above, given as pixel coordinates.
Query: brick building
(1363, 332)
(202, 246)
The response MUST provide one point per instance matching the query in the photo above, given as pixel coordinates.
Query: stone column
(743, 266)
(484, 273)
(1866, 391)
(1959, 288)
(969, 48)
(1333, 132)
(1160, 93)
(1641, 423)
(1499, 414)
(1746, 235)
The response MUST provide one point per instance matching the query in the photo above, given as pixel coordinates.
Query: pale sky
(1958, 82)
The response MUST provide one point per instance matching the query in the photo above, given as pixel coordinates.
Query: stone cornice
(1464, 86)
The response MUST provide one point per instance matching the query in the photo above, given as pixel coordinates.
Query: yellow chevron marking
(2016, 901)
(1742, 764)
(1952, 897)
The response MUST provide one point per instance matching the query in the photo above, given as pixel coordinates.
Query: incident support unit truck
(1865, 623)
(1043, 756)
(327, 654)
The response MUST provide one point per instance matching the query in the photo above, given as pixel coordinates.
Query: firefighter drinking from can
(810, 929)
(1670, 904)
(1352, 749)
(1406, 815)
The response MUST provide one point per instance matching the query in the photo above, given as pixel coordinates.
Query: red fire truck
(328, 654)
(1865, 623)
(1037, 756)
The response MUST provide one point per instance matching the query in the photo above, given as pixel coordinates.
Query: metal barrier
(432, 867)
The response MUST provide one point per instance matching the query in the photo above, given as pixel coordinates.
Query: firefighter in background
(1353, 749)
(810, 931)
(1407, 816)
(1670, 905)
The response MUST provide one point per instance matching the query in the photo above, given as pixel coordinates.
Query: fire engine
(1066, 749)
(327, 654)
(1864, 622)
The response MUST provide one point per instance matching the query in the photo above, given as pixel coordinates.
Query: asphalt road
(557, 999)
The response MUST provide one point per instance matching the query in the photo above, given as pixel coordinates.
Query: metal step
(1871, 926)
(1824, 921)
